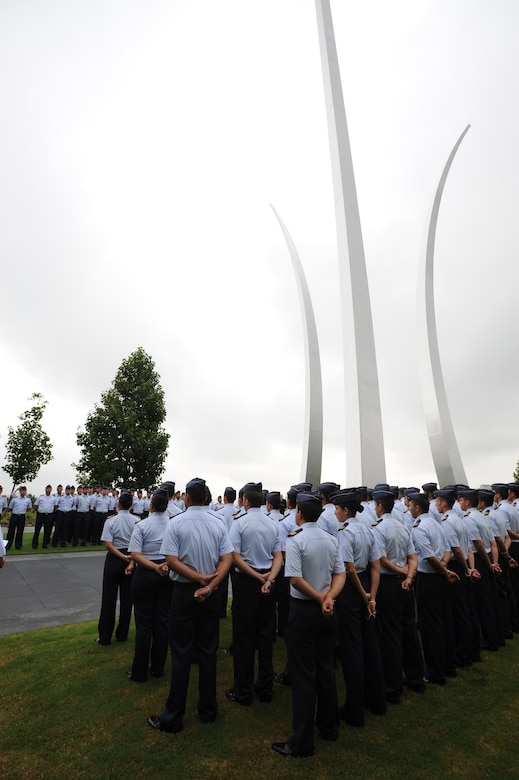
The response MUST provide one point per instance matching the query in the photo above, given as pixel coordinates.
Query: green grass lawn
(68, 711)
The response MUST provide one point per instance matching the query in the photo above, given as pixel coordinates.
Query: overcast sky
(141, 146)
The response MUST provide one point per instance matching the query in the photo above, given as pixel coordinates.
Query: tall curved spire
(365, 460)
(313, 434)
(444, 448)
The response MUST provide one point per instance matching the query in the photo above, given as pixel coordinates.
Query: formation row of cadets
(460, 546)
(74, 517)
(451, 560)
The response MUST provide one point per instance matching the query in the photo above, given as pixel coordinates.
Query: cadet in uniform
(19, 506)
(356, 612)
(257, 557)
(461, 561)
(273, 505)
(100, 503)
(328, 521)
(83, 513)
(45, 506)
(117, 572)
(317, 576)
(486, 558)
(433, 597)
(199, 553)
(396, 608)
(151, 592)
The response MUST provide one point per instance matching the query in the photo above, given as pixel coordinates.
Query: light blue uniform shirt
(83, 503)
(285, 527)
(228, 512)
(20, 506)
(197, 537)
(328, 520)
(394, 542)
(485, 530)
(455, 532)
(255, 538)
(101, 504)
(147, 536)
(138, 506)
(119, 529)
(313, 555)
(357, 545)
(65, 503)
(45, 504)
(428, 542)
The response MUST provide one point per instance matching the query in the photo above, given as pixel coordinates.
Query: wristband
(208, 589)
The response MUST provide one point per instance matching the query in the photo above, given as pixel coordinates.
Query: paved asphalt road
(37, 591)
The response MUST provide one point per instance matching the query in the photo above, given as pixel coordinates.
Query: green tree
(28, 446)
(124, 442)
(516, 472)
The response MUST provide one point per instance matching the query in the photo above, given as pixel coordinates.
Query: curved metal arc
(444, 448)
(313, 435)
(364, 431)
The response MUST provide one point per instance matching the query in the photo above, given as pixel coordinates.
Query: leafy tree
(28, 446)
(124, 442)
(516, 472)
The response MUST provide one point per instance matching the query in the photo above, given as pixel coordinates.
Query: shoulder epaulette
(486, 512)
(342, 527)
(294, 533)
(415, 525)
(373, 525)
(467, 514)
(445, 517)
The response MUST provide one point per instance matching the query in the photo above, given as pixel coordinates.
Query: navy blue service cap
(485, 494)
(305, 497)
(500, 487)
(514, 486)
(429, 487)
(382, 494)
(381, 486)
(411, 496)
(445, 493)
(273, 494)
(345, 498)
(253, 487)
(411, 491)
(196, 482)
(302, 486)
(469, 493)
(326, 487)
(159, 492)
(250, 486)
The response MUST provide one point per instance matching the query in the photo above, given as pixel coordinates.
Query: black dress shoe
(227, 650)
(154, 673)
(283, 748)
(281, 678)
(230, 694)
(98, 640)
(130, 676)
(154, 722)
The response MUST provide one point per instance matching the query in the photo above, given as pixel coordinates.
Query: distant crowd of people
(69, 517)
